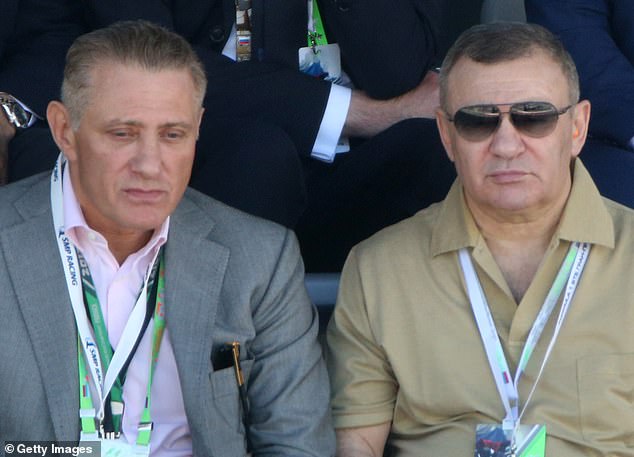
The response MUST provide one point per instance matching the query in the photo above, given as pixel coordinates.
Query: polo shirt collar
(585, 217)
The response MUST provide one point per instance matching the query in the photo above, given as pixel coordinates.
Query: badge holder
(117, 448)
(494, 441)
(321, 61)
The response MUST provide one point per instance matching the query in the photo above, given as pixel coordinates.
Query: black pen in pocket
(229, 355)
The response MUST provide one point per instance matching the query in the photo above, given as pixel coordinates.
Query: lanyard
(243, 30)
(569, 274)
(86, 406)
(114, 408)
(131, 334)
(316, 31)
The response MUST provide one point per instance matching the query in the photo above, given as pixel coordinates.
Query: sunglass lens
(476, 123)
(535, 119)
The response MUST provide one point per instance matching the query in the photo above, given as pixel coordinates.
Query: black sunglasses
(534, 119)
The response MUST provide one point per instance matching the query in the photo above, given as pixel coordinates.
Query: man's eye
(174, 135)
(121, 133)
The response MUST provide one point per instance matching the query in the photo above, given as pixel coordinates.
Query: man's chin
(143, 223)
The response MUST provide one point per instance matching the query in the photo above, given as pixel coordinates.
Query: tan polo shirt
(404, 346)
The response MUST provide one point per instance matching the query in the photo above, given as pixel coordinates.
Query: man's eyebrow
(129, 122)
(134, 123)
(185, 125)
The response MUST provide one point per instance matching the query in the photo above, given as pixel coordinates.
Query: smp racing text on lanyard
(107, 368)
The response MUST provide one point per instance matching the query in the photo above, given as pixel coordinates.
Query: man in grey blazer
(114, 244)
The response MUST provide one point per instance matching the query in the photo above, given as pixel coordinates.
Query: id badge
(118, 448)
(493, 441)
(323, 62)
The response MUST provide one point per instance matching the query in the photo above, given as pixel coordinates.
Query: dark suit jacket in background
(34, 38)
(228, 277)
(270, 86)
(244, 90)
(599, 34)
(387, 46)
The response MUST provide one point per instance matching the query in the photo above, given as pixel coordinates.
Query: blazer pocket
(606, 398)
(226, 396)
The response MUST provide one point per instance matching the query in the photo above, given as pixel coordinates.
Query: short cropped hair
(505, 41)
(135, 43)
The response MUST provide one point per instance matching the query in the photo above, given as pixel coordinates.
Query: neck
(121, 241)
(123, 244)
(518, 244)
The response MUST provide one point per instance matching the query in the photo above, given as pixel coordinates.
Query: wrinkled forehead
(536, 77)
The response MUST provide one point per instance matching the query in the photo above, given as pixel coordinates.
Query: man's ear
(443, 128)
(60, 124)
(200, 119)
(580, 121)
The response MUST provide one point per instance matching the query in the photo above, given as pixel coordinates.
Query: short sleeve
(363, 385)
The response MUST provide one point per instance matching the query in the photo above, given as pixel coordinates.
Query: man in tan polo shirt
(499, 321)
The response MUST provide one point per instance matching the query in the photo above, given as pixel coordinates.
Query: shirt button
(217, 34)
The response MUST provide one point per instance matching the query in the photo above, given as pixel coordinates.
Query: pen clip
(235, 351)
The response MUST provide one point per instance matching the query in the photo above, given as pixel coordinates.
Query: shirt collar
(585, 217)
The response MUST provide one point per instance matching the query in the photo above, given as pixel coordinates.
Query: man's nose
(147, 156)
(507, 141)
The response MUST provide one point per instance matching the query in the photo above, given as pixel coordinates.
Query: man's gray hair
(505, 41)
(134, 43)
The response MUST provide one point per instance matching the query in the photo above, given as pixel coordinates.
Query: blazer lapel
(38, 278)
(195, 270)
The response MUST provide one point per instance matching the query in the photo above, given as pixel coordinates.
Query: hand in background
(367, 116)
(423, 100)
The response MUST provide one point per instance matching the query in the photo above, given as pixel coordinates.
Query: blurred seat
(502, 10)
(322, 290)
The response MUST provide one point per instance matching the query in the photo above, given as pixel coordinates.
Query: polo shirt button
(217, 34)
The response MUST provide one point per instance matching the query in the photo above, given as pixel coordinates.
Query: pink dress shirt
(118, 287)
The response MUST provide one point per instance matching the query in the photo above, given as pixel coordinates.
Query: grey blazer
(229, 276)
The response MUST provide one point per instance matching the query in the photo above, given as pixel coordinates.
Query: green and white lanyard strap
(103, 382)
(145, 426)
(86, 404)
(113, 413)
(86, 409)
(569, 274)
(316, 32)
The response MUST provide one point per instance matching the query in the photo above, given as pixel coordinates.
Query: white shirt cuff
(632, 144)
(332, 123)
